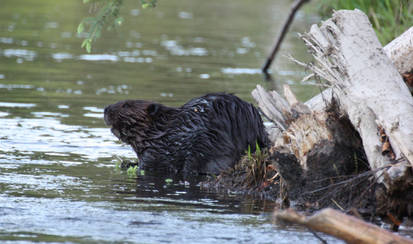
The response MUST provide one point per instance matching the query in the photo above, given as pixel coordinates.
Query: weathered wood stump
(351, 147)
(362, 125)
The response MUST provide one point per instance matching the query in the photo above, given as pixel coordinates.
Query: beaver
(206, 135)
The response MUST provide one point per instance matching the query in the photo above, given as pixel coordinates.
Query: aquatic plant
(255, 165)
(132, 171)
(253, 174)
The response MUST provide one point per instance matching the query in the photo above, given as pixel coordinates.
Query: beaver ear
(153, 109)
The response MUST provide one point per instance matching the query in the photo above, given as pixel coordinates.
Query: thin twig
(338, 205)
(367, 173)
(317, 236)
(294, 8)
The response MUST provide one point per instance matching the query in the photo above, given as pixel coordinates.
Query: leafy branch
(107, 14)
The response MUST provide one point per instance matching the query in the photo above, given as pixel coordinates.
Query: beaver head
(131, 120)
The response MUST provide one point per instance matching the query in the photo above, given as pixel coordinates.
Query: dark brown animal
(206, 135)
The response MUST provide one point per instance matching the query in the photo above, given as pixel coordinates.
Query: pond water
(58, 180)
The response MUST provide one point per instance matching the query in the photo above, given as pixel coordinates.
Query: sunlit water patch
(49, 114)
(125, 56)
(99, 57)
(15, 86)
(6, 40)
(62, 56)
(100, 222)
(240, 71)
(16, 105)
(175, 49)
(27, 55)
(50, 135)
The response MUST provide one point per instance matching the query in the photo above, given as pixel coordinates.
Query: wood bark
(342, 226)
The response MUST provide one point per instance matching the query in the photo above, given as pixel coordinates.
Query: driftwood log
(342, 226)
(400, 52)
(350, 147)
(366, 83)
(370, 89)
(362, 125)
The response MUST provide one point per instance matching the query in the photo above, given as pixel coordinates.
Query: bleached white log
(400, 52)
(366, 83)
(296, 105)
(290, 96)
(372, 86)
(273, 105)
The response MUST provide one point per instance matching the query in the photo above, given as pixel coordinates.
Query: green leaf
(145, 5)
(88, 47)
(168, 180)
(84, 43)
(80, 28)
(132, 171)
(117, 164)
(87, 44)
(257, 149)
(249, 152)
(119, 21)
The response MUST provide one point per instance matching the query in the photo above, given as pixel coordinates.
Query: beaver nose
(106, 115)
(106, 109)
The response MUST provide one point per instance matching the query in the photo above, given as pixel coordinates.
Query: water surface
(58, 180)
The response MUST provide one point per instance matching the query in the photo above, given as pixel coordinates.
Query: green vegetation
(132, 171)
(255, 164)
(107, 15)
(253, 173)
(118, 163)
(390, 18)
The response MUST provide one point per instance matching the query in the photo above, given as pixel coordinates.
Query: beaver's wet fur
(205, 136)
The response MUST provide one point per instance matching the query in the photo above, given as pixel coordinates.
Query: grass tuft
(389, 18)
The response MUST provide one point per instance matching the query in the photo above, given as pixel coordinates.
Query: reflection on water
(58, 180)
(240, 71)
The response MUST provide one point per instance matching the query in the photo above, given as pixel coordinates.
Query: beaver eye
(153, 109)
(126, 105)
